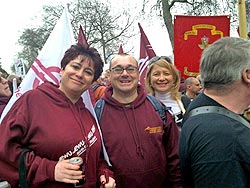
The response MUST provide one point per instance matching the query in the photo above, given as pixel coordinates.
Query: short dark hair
(77, 49)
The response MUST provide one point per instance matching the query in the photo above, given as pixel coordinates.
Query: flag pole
(242, 18)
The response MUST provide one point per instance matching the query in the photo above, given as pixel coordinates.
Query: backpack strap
(99, 105)
(99, 108)
(218, 110)
(159, 108)
(94, 87)
(22, 168)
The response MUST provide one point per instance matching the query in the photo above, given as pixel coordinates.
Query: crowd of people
(201, 139)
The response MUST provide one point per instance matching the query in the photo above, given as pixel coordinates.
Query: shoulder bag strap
(22, 169)
(218, 110)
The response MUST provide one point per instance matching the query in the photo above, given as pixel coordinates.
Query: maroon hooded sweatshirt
(3, 102)
(141, 153)
(47, 122)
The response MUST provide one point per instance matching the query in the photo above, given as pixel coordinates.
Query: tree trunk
(167, 17)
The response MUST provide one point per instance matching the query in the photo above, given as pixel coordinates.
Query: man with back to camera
(214, 148)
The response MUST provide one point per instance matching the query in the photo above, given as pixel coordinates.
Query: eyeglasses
(156, 58)
(129, 69)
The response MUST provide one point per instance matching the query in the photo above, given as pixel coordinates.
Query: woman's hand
(110, 183)
(67, 172)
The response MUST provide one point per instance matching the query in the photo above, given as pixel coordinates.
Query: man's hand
(107, 182)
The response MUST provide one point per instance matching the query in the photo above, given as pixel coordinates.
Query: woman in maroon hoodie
(53, 122)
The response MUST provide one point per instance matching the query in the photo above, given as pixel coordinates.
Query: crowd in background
(133, 145)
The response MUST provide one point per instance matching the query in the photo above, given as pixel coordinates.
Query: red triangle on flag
(82, 38)
(83, 41)
(120, 51)
(146, 53)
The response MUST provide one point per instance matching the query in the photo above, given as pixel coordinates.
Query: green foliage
(213, 8)
(32, 41)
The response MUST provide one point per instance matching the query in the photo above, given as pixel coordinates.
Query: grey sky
(16, 15)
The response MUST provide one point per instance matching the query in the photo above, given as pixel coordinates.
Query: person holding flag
(53, 125)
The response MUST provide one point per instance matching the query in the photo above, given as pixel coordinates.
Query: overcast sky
(15, 15)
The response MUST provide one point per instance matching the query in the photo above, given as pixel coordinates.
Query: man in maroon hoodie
(142, 153)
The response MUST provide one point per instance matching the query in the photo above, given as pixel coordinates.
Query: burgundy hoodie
(133, 138)
(3, 102)
(47, 122)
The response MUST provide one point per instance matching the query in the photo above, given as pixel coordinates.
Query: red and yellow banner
(192, 34)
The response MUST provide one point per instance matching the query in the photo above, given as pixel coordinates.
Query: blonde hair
(175, 94)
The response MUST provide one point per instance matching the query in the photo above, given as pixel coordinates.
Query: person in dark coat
(214, 148)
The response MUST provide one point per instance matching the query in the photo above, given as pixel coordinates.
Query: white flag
(47, 64)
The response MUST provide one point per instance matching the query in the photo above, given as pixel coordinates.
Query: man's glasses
(156, 58)
(129, 69)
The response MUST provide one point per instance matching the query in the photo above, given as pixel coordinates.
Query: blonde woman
(163, 82)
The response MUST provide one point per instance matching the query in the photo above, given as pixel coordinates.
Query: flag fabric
(47, 65)
(146, 53)
(192, 34)
(120, 50)
(14, 85)
(89, 95)
(82, 38)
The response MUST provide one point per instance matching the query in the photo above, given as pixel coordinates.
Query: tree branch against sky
(167, 9)
(102, 28)
(156, 15)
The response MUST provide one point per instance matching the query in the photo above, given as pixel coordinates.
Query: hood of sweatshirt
(135, 104)
(3, 102)
(57, 96)
(129, 112)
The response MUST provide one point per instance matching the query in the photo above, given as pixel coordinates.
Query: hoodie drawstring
(78, 119)
(136, 137)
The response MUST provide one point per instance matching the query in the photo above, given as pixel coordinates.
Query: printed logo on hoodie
(152, 130)
(81, 146)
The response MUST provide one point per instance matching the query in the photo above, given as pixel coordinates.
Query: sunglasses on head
(156, 58)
